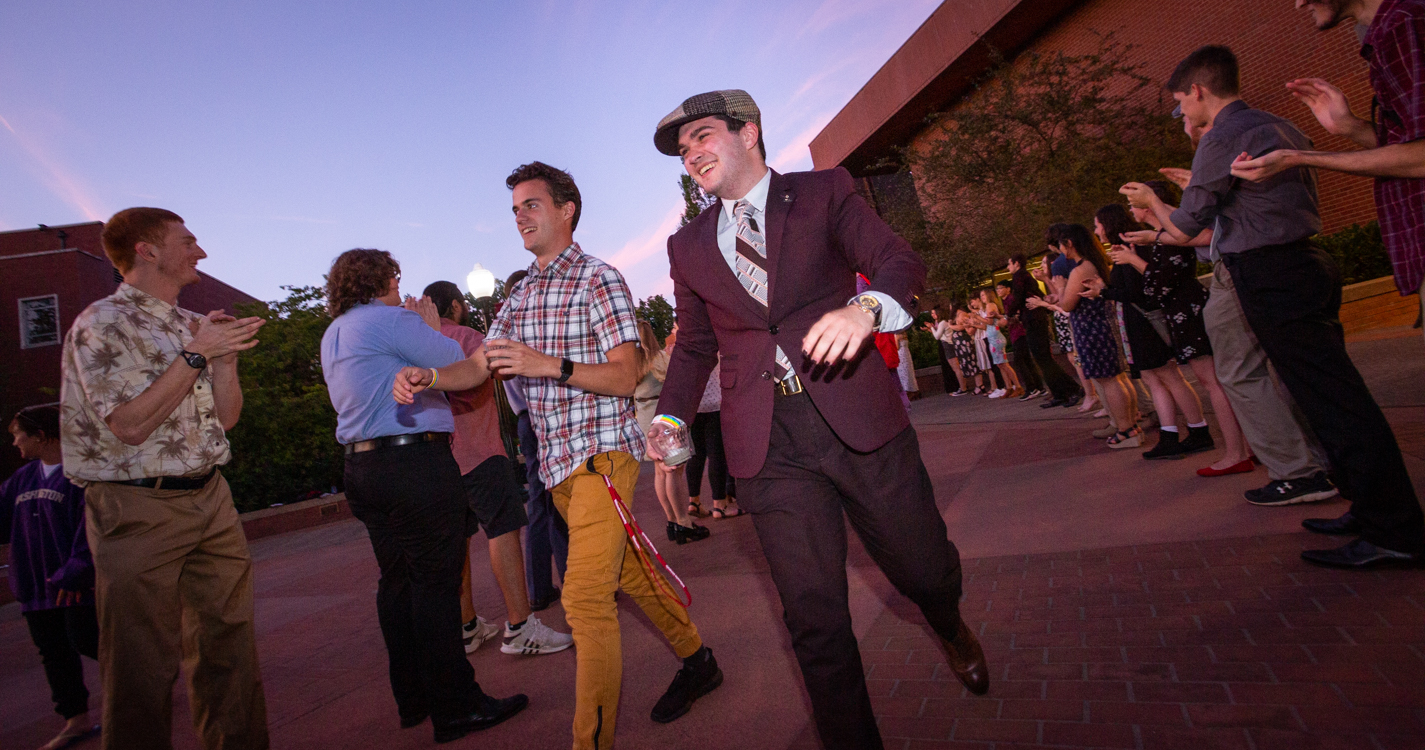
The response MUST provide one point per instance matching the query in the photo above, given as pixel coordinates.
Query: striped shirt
(578, 308)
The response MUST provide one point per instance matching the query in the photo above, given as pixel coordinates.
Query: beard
(1336, 10)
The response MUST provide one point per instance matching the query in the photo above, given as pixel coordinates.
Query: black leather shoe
(1074, 400)
(967, 660)
(539, 605)
(698, 677)
(486, 713)
(1053, 402)
(1360, 555)
(684, 534)
(1346, 525)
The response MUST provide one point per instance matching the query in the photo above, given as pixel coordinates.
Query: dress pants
(547, 536)
(63, 634)
(707, 451)
(1029, 375)
(599, 565)
(413, 504)
(1036, 327)
(1273, 427)
(173, 578)
(1291, 295)
(800, 501)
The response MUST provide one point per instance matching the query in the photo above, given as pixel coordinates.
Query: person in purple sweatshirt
(51, 572)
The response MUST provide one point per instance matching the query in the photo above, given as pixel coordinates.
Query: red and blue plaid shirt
(579, 308)
(1395, 49)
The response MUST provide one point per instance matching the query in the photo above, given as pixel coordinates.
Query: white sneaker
(997, 393)
(477, 631)
(534, 637)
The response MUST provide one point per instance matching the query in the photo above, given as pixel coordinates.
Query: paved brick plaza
(1122, 603)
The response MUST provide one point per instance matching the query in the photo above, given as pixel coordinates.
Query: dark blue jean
(548, 534)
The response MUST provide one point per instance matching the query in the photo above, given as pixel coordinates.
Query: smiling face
(543, 226)
(723, 163)
(1197, 113)
(30, 446)
(176, 257)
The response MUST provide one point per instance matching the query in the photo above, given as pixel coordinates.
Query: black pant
(1036, 326)
(1291, 295)
(1023, 364)
(413, 504)
(947, 373)
(707, 449)
(800, 501)
(62, 635)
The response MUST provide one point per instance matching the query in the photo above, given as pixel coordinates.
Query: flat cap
(734, 103)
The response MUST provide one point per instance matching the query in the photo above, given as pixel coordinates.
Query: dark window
(39, 321)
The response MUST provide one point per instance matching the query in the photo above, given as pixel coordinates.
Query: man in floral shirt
(148, 391)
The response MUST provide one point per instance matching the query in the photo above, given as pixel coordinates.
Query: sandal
(695, 509)
(720, 514)
(1126, 439)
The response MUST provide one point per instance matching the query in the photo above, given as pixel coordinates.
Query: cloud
(645, 245)
(799, 147)
(65, 185)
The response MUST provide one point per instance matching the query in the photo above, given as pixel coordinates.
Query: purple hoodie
(43, 519)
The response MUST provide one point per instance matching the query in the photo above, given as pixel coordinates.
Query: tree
(484, 309)
(658, 313)
(694, 199)
(1046, 138)
(284, 446)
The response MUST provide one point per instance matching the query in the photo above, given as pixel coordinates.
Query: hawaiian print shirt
(116, 348)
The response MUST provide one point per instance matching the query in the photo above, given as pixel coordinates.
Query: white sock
(1200, 424)
(1168, 428)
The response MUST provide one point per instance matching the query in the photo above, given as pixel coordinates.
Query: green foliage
(483, 310)
(694, 199)
(284, 446)
(1049, 137)
(924, 349)
(1359, 252)
(658, 313)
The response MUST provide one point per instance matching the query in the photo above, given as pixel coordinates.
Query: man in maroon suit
(813, 424)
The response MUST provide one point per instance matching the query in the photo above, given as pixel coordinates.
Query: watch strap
(566, 370)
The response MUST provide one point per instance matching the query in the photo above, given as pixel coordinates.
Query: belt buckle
(791, 386)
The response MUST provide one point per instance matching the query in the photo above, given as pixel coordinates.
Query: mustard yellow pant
(601, 562)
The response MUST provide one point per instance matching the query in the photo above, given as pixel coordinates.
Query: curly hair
(357, 277)
(559, 183)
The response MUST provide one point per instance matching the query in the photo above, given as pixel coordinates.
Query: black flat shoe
(1360, 555)
(1053, 402)
(487, 713)
(1346, 525)
(684, 534)
(698, 677)
(1074, 401)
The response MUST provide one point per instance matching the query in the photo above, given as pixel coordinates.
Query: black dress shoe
(486, 713)
(539, 605)
(1359, 555)
(684, 534)
(1074, 400)
(698, 677)
(1053, 402)
(1346, 525)
(967, 660)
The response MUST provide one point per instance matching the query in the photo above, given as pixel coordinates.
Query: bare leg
(959, 376)
(1120, 406)
(1011, 379)
(507, 561)
(1162, 397)
(1183, 394)
(667, 486)
(74, 727)
(1236, 446)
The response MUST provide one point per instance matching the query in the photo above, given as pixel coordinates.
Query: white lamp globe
(481, 282)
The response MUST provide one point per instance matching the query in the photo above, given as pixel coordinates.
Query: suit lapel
(779, 205)
(721, 272)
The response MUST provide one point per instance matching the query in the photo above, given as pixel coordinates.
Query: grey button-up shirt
(1248, 214)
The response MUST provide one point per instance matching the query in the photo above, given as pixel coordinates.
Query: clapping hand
(1328, 103)
(1139, 195)
(1177, 175)
(1122, 253)
(410, 381)
(1138, 237)
(219, 336)
(424, 308)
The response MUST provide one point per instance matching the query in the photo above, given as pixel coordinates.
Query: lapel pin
(786, 197)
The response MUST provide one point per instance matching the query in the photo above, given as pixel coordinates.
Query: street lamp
(480, 282)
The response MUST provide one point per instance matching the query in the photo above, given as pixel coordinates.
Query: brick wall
(1274, 44)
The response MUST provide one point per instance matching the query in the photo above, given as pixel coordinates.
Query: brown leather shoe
(967, 660)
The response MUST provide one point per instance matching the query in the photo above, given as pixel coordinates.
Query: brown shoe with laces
(967, 660)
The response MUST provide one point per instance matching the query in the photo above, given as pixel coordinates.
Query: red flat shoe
(1243, 467)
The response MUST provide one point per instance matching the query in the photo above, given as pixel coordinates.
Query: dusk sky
(285, 133)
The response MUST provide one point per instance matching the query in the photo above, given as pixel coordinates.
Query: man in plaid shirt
(569, 330)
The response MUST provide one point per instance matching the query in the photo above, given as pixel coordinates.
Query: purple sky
(288, 132)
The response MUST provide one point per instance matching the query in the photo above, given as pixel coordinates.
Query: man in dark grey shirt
(1290, 292)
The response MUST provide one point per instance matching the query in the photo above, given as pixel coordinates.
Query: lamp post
(481, 282)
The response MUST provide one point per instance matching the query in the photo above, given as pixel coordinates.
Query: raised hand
(1177, 175)
(219, 335)
(1139, 195)
(410, 381)
(1327, 103)
(424, 308)
(1122, 253)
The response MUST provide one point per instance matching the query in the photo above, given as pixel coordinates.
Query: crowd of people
(127, 547)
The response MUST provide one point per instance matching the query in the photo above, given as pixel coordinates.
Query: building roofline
(935, 66)
(36, 228)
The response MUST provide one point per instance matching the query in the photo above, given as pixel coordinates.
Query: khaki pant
(598, 567)
(174, 564)
(1273, 427)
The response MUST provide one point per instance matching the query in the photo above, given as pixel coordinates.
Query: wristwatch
(566, 370)
(194, 359)
(870, 304)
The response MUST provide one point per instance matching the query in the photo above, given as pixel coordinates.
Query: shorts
(494, 500)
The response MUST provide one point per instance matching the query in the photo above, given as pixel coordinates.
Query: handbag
(1159, 320)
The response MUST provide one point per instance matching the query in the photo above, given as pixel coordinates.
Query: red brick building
(47, 277)
(937, 65)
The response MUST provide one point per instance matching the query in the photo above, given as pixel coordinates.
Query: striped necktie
(751, 267)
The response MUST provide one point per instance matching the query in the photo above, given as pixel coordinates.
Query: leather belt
(391, 441)
(790, 386)
(171, 483)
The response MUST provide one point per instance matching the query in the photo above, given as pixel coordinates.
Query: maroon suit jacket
(819, 234)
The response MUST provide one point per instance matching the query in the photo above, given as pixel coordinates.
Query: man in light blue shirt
(404, 484)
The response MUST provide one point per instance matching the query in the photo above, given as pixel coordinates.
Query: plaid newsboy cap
(734, 103)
